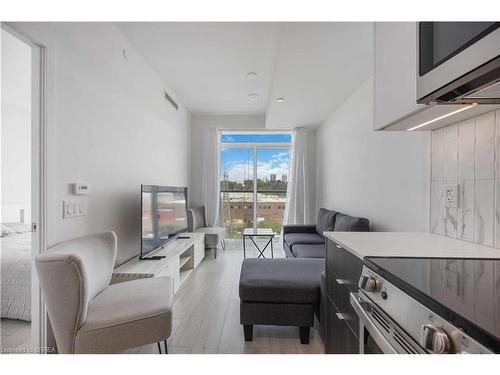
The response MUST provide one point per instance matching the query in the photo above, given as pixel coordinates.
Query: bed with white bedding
(15, 273)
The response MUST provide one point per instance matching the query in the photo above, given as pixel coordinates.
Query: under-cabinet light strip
(442, 117)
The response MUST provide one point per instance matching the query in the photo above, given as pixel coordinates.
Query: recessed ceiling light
(280, 100)
(251, 76)
(253, 97)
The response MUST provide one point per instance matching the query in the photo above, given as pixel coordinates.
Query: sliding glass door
(254, 177)
(237, 168)
(272, 181)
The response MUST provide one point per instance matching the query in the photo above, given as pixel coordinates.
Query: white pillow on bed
(6, 230)
(9, 228)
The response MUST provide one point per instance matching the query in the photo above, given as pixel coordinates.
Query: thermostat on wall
(81, 188)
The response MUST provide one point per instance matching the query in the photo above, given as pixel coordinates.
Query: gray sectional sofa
(290, 292)
(307, 241)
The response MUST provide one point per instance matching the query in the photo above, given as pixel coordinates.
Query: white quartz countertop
(406, 244)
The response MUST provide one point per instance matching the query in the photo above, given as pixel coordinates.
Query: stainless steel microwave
(458, 63)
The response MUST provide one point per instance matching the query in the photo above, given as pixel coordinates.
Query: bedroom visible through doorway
(19, 200)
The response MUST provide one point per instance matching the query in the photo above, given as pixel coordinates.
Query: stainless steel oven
(375, 328)
(392, 321)
(457, 60)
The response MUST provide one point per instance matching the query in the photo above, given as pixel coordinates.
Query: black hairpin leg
(159, 347)
(261, 252)
(166, 349)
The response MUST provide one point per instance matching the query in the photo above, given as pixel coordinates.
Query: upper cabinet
(395, 72)
(395, 88)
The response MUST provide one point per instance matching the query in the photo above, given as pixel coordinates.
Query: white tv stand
(182, 256)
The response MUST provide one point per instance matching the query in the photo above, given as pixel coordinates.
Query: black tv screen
(164, 216)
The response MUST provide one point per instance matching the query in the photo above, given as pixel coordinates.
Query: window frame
(255, 146)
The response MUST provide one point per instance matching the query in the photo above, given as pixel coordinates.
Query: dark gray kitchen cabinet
(343, 270)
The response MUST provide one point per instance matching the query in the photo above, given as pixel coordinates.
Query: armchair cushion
(325, 221)
(351, 224)
(127, 314)
(213, 235)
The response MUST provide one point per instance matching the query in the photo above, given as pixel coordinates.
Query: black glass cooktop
(464, 291)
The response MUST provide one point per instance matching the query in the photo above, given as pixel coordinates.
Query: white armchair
(87, 314)
(214, 236)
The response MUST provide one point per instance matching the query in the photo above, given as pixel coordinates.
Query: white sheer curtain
(211, 178)
(301, 182)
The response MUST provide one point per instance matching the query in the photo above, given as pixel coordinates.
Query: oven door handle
(370, 326)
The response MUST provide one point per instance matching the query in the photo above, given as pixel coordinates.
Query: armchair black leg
(304, 334)
(166, 349)
(248, 331)
(159, 347)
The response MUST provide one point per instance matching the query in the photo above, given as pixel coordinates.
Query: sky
(239, 161)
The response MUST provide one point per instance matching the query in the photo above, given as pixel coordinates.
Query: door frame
(39, 182)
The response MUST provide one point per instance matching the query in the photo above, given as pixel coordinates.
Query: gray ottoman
(282, 292)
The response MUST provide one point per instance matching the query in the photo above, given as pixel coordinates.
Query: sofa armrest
(299, 228)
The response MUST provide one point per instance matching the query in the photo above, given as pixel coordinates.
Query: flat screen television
(164, 216)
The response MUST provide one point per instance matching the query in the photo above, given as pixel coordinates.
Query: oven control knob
(369, 283)
(435, 339)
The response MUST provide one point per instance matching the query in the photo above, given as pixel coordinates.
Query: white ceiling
(314, 66)
(318, 66)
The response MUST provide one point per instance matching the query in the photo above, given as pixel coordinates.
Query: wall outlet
(450, 196)
(74, 209)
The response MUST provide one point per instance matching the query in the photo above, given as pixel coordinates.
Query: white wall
(108, 125)
(16, 129)
(467, 154)
(199, 130)
(383, 176)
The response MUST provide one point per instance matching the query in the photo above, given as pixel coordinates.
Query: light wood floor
(207, 313)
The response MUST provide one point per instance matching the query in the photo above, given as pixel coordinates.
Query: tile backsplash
(467, 154)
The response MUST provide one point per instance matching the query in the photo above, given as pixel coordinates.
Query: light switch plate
(74, 209)
(450, 196)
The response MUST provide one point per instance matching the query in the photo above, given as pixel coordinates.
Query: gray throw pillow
(346, 223)
(326, 221)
